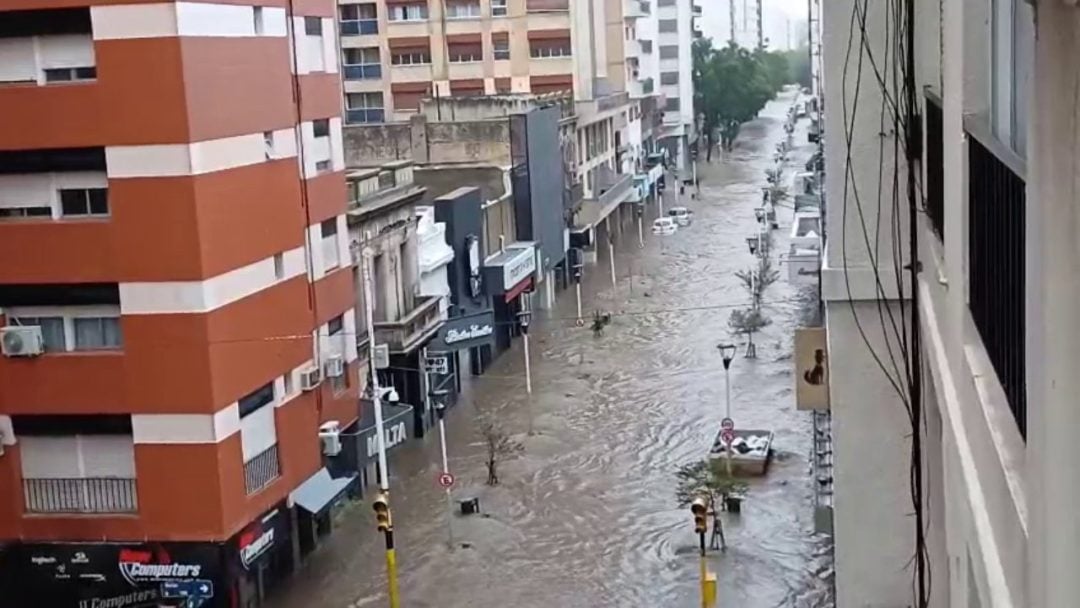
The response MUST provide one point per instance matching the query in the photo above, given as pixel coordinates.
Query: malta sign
(396, 433)
(811, 369)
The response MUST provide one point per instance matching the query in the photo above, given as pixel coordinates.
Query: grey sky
(778, 16)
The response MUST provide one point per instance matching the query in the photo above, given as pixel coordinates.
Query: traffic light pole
(380, 431)
(704, 572)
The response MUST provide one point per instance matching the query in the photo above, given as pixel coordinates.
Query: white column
(1053, 329)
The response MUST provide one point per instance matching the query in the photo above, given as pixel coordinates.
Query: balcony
(360, 27)
(996, 204)
(551, 66)
(80, 495)
(411, 73)
(547, 5)
(262, 470)
(371, 71)
(414, 329)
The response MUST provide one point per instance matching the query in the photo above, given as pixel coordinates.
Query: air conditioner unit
(310, 378)
(335, 367)
(330, 437)
(21, 341)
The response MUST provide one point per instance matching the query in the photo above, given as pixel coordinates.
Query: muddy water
(585, 516)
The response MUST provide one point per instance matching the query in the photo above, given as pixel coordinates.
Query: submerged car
(681, 215)
(664, 225)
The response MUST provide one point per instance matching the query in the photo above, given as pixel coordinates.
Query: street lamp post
(727, 354)
(524, 317)
(440, 411)
(382, 502)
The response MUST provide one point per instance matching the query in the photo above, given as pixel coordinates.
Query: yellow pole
(391, 569)
(704, 573)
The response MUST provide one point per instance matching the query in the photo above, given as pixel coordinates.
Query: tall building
(679, 23)
(175, 299)
(996, 290)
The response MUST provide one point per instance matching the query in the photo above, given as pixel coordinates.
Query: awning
(320, 491)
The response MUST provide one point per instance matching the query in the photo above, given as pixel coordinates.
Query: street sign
(197, 588)
(727, 435)
(382, 356)
(727, 424)
(437, 365)
(446, 480)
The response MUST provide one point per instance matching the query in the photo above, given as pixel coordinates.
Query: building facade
(996, 233)
(676, 28)
(170, 353)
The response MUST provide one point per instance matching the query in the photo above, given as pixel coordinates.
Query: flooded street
(586, 516)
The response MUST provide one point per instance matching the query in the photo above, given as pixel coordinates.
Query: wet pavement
(586, 516)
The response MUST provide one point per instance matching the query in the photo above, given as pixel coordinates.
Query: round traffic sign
(727, 424)
(728, 436)
(446, 480)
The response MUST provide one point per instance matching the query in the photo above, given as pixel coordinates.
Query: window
(256, 399)
(97, 333)
(321, 127)
(669, 25)
(336, 325)
(70, 74)
(363, 107)
(10, 212)
(313, 26)
(279, 266)
(52, 331)
(672, 104)
(361, 56)
(91, 201)
(1012, 46)
(408, 12)
(257, 17)
(462, 9)
(322, 165)
(411, 57)
(670, 51)
(465, 53)
(498, 8)
(550, 48)
(287, 380)
(328, 228)
(669, 78)
(501, 48)
(77, 464)
(331, 254)
(358, 19)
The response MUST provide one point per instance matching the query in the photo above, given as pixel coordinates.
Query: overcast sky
(780, 17)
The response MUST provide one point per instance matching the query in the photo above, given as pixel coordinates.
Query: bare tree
(708, 478)
(747, 322)
(499, 445)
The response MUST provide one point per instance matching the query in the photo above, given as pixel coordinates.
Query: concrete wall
(423, 142)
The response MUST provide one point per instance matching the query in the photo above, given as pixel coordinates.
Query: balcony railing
(935, 184)
(360, 27)
(371, 71)
(547, 5)
(365, 115)
(618, 190)
(81, 495)
(262, 469)
(408, 332)
(996, 203)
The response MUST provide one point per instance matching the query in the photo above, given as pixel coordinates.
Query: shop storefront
(315, 502)
(461, 340)
(237, 573)
(397, 427)
(509, 274)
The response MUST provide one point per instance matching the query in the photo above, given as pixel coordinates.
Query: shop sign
(461, 333)
(519, 268)
(395, 434)
(257, 539)
(154, 565)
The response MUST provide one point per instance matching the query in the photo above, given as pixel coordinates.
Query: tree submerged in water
(747, 322)
(708, 478)
(498, 443)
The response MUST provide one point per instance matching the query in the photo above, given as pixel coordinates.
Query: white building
(677, 27)
(434, 255)
(997, 295)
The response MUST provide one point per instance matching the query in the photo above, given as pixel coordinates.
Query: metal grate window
(80, 495)
(996, 249)
(262, 469)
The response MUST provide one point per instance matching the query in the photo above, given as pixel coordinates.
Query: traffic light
(700, 508)
(382, 511)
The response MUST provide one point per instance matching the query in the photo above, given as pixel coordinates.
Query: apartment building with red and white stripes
(176, 294)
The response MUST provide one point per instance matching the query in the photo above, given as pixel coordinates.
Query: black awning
(320, 491)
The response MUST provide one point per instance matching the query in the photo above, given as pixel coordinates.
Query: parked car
(664, 225)
(681, 215)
